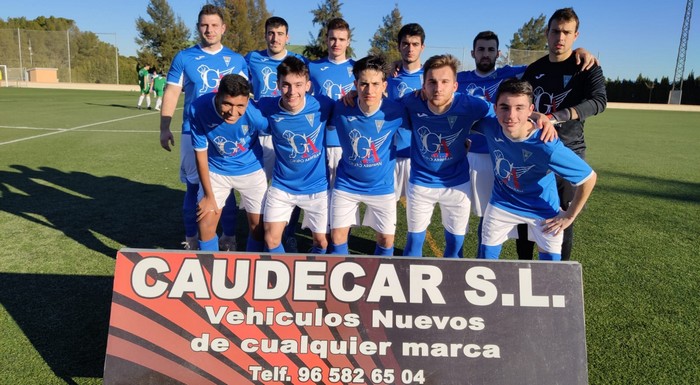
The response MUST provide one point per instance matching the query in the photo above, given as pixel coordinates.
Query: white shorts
(454, 207)
(268, 155)
(481, 177)
(251, 187)
(380, 213)
(499, 225)
(280, 204)
(333, 156)
(188, 162)
(401, 173)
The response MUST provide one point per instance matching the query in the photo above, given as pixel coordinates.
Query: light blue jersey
(369, 153)
(485, 87)
(298, 139)
(404, 83)
(438, 153)
(198, 72)
(232, 149)
(525, 171)
(263, 73)
(333, 80)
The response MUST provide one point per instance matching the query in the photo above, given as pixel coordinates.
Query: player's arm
(546, 123)
(208, 203)
(565, 218)
(596, 97)
(585, 59)
(167, 110)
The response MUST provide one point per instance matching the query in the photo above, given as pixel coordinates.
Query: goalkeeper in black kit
(568, 95)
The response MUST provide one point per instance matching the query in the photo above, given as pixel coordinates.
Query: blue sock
(253, 245)
(479, 232)
(383, 251)
(341, 249)
(210, 245)
(549, 256)
(453, 243)
(189, 209)
(414, 244)
(278, 250)
(318, 250)
(229, 216)
(490, 252)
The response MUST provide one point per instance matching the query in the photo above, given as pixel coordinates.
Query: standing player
(366, 170)
(332, 76)
(568, 95)
(411, 41)
(159, 81)
(225, 139)
(144, 86)
(196, 71)
(262, 66)
(300, 178)
(525, 187)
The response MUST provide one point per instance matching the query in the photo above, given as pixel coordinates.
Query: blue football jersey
(369, 153)
(198, 72)
(298, 140)
(485, 87)
(438, 153)
(232, 149)
(525, 182)
(333, 80)
(404, 83)
(263, 73)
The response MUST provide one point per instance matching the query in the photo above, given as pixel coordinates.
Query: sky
(628, 41)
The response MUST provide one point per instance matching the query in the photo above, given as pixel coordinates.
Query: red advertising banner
(181, 317)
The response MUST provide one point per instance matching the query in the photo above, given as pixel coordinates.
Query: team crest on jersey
(365, 149)
(244, 128)
(546, 102)
(379, 124)
(451, 121)
(436, 146)
(303, 146)
(526, 155)
(211, 77)
(350, 74)
(227, 147)
(485, 93)
(567, 79)
(336, 91)
(508, 173)
(227, 59)
(310, 119)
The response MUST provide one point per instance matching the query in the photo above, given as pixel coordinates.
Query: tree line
(163, 34)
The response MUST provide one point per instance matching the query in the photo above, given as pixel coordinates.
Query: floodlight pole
(680, 60)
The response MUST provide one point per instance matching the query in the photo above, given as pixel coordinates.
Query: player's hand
(468, 144)
(395, 68)
(557, 224)
(205, 207)
(549, 132)
(585, 59)
(349, 98)
(166, 139)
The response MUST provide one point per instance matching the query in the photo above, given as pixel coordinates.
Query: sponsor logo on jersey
(483, 92)
(336, 91)
(226, 147)
(278, 119)
(200, 57)
(403, 89)
(269, 81)
(546, 102)
(507, 172)
(324, 68)
(422, 115)
(436, 146)
(352, 118)
(303, 146)
(497, 140)
(211, 77)
(365, 149)
(539, 76)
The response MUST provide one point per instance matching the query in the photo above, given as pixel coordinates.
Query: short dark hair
(210, 9)
(515, 86)
(563, 14)
(337, 23)
(276, 21)
(371, 62)
(411, 29)
(292, 65)
(485, 35)
(234, 85)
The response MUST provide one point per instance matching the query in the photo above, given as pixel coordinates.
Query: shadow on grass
(65, 317)
(647, 186)
(81, 205)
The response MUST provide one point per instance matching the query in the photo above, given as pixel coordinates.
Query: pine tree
(245, 24)
(317, 47)
(162, 37)
(531, 35)
(383, 43)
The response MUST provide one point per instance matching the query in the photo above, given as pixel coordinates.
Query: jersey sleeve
(596, 98)
(177, 70)
(565, 163)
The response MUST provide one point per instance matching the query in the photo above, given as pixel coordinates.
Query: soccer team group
(324, 136)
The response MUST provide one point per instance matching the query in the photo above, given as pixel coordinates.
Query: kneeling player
(228, 155)
(366, 169)
(525, 189)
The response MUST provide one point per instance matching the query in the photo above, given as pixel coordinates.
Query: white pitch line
(70, 129)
